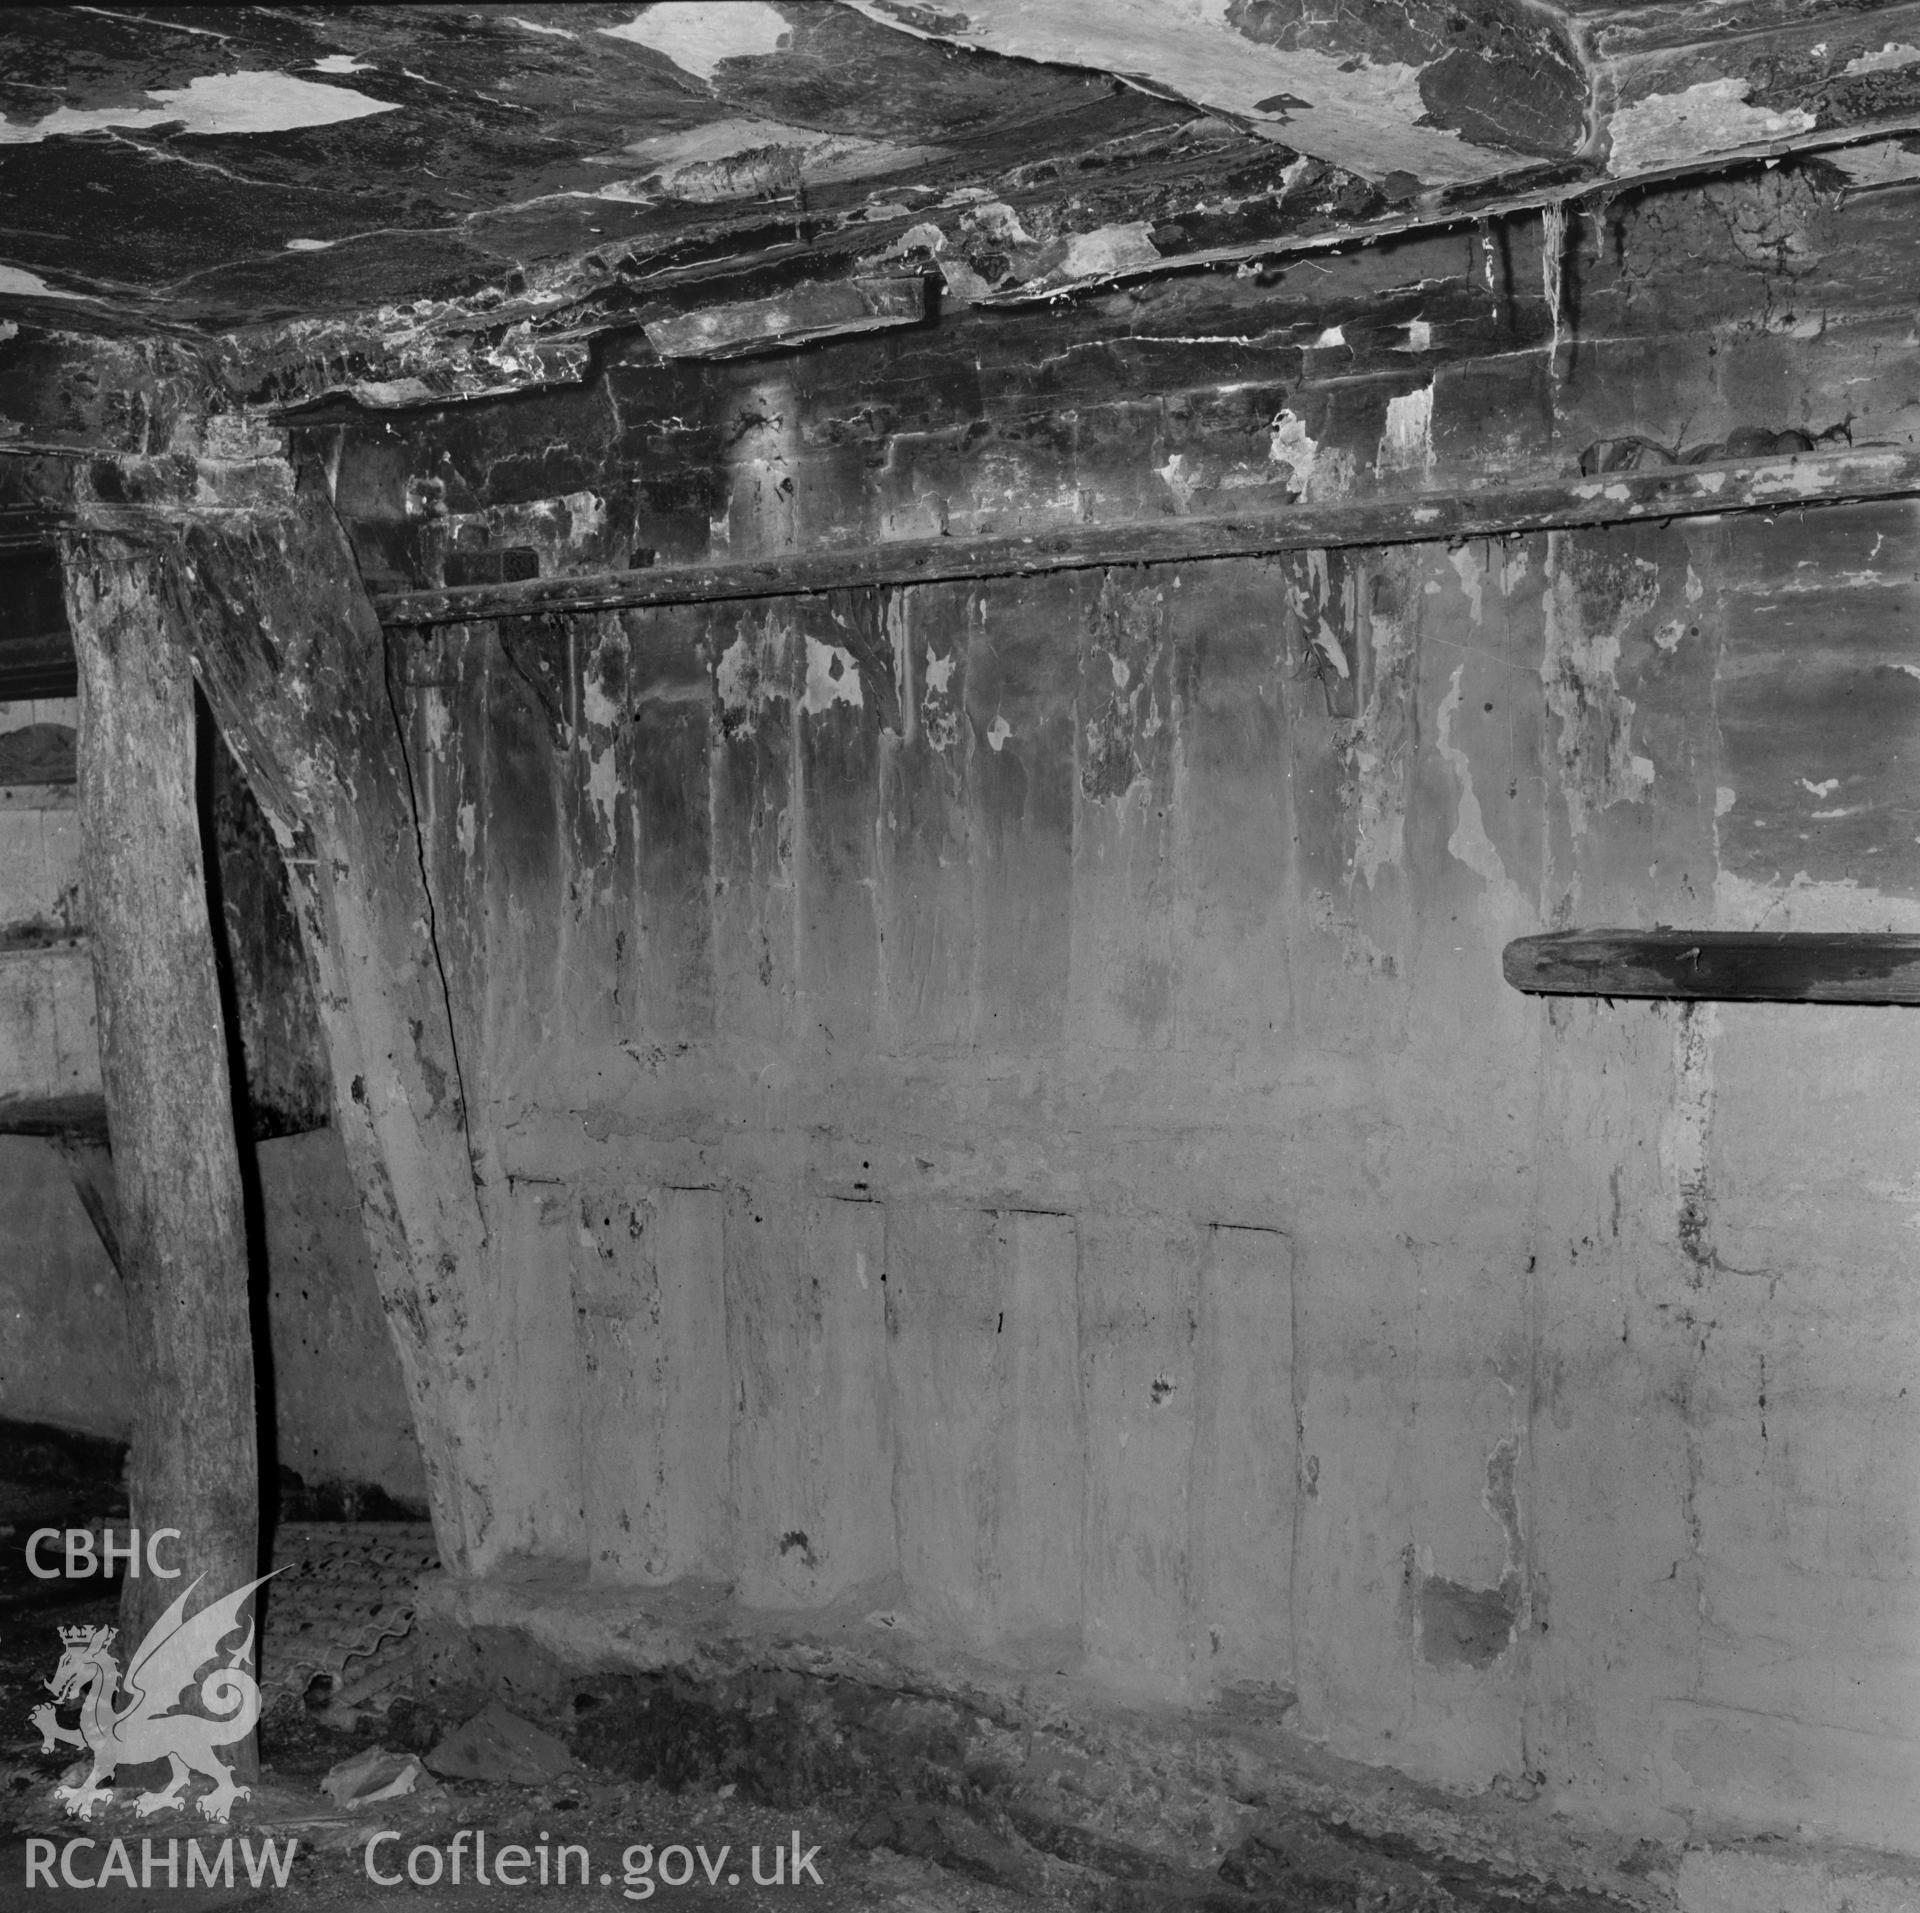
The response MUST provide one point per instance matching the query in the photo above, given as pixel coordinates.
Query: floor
(665, 1802)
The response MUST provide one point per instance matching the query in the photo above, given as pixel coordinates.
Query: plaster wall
(49, 1043)
(341, 1415)
(998, 1113)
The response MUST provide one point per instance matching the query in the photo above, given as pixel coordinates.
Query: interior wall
(997, 1105)
(342, 1424)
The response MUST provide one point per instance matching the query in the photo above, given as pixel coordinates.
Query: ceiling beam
(1680, 491)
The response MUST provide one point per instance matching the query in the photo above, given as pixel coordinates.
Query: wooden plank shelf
(1733, 966)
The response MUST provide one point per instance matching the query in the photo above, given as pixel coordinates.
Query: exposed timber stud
(194, 1461)
(1736, 966)
(1678, 491)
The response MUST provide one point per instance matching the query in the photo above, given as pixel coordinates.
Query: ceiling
(417, 199)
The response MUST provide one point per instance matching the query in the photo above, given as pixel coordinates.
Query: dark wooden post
(194, 1462)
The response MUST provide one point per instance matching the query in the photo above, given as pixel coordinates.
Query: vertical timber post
(194, 1463)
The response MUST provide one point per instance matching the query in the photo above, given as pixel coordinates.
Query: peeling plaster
(1181, 482)
(833, 677)
(1407, 443)
(245, 102)
(1290, 447)
(696, 37)
(1109, 250)
(1879, 163)
(1711, 116)
(1368, 115)
(31, 286)
(1893, 54)
(750, 675)
(601, 710)
(940, 703)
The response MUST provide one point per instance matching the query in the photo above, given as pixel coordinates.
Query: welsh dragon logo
(147, 1726)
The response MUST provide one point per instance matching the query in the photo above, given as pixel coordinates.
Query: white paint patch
(1842, 810)
(1469, 567)
(998, 732)
(1695, 589)
(1110, 250)
(733, 676)
(1407, 443)
(1289, 447)
(1879, 163)
(1333, 335)
(1419, 337)
(309, 245)
(602, 714)
(1642, 769)
(29, 285)
(1711, 116)
(1669, 635)
(1724, 798)
(696, 37)
(940, 671)
(533, 26)
(1364, 114)
(1183, 483)
(341, 63)
(833, 677)
(997, 221)
(1895, 53)
(1825, 788)
(247, 102)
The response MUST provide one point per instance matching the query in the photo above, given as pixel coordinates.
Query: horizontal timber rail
(1673, 491)
(1727, 966)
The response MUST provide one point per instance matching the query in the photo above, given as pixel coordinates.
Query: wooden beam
(828, 310)
(1679, 491)
(1735, 966)
(194, 1461)
(83, 1115)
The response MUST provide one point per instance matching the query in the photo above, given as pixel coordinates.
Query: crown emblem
(88, 1636)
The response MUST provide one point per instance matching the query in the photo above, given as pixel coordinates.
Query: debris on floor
(378, 1774)
(497, 1745)
(347, 1593)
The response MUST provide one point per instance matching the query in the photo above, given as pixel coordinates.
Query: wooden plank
(819, 311)
(1745, 966)
(1678, 491)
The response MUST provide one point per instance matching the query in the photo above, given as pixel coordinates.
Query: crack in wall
(433, 933)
